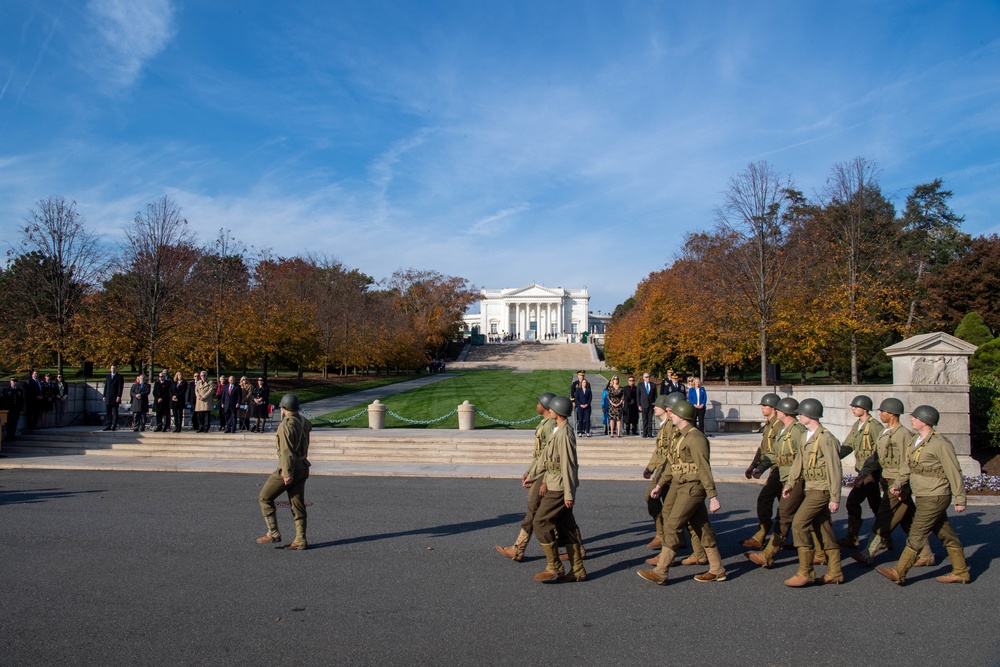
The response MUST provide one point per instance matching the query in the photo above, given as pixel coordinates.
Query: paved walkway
(365, 397)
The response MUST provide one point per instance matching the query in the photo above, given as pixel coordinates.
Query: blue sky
(565, 143)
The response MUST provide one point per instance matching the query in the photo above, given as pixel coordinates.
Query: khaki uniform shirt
(818, 463)
(293, 444)
(890, 452)
(768, 437)
(688, 460)
(664, 437)
(932, 469)
(789, 441)
(861, 440)
(543, 433)
(558, 462)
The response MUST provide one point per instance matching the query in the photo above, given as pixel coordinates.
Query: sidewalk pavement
(325, 406)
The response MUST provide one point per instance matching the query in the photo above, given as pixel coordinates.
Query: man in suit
(230, 404)
(161, 402)
(645, 396)
(114, 387)
(33, 394)
(139, 395)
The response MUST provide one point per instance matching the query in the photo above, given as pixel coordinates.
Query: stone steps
(390, 446)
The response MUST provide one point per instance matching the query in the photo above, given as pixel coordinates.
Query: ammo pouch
(928, 471)
(784, 461)
(552, 466)
(678, 468)
(814, 474)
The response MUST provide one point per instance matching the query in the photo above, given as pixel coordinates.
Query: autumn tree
(931, 236)
(752, 218)
(221, 281)
(433, 305)
(157, 259)
(338, 295)
(61, 262)
(970, 283)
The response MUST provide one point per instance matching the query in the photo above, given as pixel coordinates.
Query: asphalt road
(162, 569)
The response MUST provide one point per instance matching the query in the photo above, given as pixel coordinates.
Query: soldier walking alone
(291, 475)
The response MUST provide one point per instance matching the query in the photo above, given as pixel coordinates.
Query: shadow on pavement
(39, 495)
(435, 531)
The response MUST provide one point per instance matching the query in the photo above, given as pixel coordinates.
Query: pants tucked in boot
(553, 566)
(274, 487)
(834, 575)
(769, 493)
(898, 574)
(577, 573)
(658, 575)
(273, 535)
(516, 552)
(806, 574)
(854, 524)
(959, 570)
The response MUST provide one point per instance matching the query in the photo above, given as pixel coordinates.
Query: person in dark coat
(161, 402)
(583, 400)
(646, 394)
(260, 397)
(33, 394)
(114, 387)
(12, 399)
(139, 395)
(178, 400)
(229, 404)
(630, 407)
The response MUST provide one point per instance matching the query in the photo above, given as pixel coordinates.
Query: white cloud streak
(131, 33)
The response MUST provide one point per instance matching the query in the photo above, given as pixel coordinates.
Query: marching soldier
(861, 440)
(890, 451)
(935, 477)
(543, 432)
(691, 483)
(554, 524)
(771, 491)
(291, 475)
(664, 437)
(818, 464)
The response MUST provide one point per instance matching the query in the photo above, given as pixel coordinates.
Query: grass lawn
(503, 395)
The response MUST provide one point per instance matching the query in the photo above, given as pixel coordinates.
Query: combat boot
(516, 552)
(658, 575)
(853, 528)
(553, 567)
(766, 557)
(866, 556)
(898, 574)
(926, 557)
(834, 575)
(300, 542)
(272, 531)
(715, 570)
(757, 541)
(959, 570)
(578, 573)
(806, 574)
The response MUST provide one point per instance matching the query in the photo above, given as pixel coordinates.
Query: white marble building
(528, 313)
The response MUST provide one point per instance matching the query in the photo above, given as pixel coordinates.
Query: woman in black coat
(260, 397)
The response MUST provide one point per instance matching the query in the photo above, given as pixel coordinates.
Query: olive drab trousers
(275, 486)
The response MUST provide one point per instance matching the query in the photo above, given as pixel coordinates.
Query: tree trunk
(763, 355)
(726, 375)
(854, 357)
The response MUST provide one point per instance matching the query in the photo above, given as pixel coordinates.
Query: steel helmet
(684, 410)
(863, 402)
(788, 406)
(927, 414)
(290, 402)
(893, 406)
(770, 400)
(544, 399)
(662, 402)
(811, 408)
(561, 406)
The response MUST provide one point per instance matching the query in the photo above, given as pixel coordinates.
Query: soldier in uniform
(291, 475)
(691, 483)
(861, 440)
(664, 437)
(817, 463)
(890, 451)
(789, 441)
(13, 399)
(554, 525)
(771, 491)
(935, 477)
(543, 432)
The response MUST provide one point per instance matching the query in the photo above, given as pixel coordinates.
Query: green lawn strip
(308, 390)
(503, 395)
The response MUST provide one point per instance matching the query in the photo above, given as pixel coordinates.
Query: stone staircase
(420, 446)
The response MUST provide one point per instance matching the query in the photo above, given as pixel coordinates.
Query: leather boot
(658, 575)
(853, 528)
(834, 575)
(553, 567)
(898, 574)
(300, 542)
(715, 570)
(926, 557)
(272, 531)
(806, 574)
(866, 556)
(656, 543)
(959, 570)
(516, 552)
(757, 541)
(577, 573)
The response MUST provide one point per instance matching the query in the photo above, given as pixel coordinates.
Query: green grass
(309, 389)
(503, 395)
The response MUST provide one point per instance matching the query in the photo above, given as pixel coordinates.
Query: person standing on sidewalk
(543, 432)
(291, 475)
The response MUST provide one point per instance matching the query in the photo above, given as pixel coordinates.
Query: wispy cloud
(131, 32)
